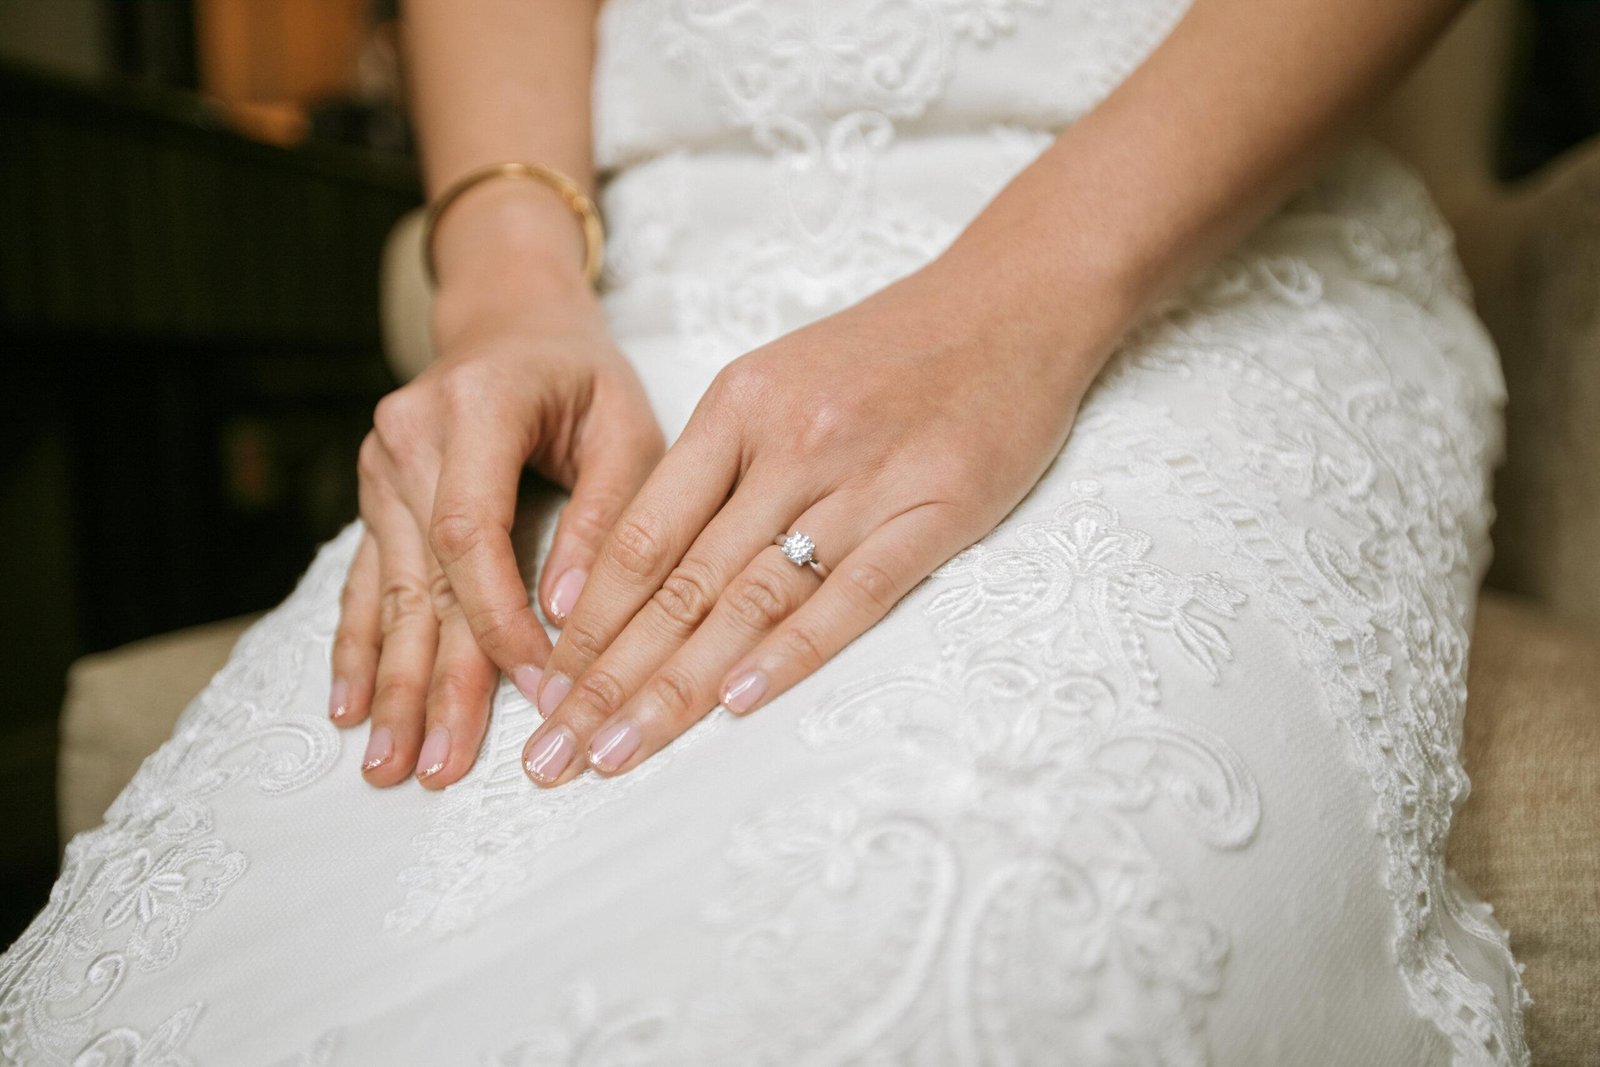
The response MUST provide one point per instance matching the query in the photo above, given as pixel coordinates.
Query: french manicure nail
(565, 593)
(550, 755)
(556, 688)
(435, 750)
(526, 679)
(744, 691)
(339, 699)
(611, 747)
(380, 749)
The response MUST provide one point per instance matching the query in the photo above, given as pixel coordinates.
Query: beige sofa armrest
(405, 303)
(120, 707)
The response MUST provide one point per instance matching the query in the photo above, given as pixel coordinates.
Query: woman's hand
(434, 604)
(894, 434)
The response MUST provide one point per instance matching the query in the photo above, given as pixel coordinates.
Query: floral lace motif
(982, 891)
(994, 851)
(1391, 484)
(484, 831)
(132, 888)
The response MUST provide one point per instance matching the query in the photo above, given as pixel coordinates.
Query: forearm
(1196, 147)
(492, 81)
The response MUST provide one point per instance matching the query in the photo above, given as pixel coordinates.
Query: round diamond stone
(798, 547)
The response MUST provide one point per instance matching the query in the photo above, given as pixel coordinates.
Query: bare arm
(1198, 145)
(493, 81)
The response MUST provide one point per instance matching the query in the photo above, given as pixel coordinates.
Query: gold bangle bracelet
(594, 234)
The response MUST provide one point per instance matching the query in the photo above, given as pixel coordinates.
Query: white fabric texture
(1161, 771)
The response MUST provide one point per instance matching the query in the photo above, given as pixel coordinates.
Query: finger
(357, 639)
(858, 592)
(608, 480)
(675, 505)
(668, 663)
(469, 533)
(685, 688)
(410, 641)
(458, 698)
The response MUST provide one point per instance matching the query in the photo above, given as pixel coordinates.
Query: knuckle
(676, 691)
(398, 695)
(453, 687)
(453, 535)
(442, 596)
(872, 586)
(583, 640)
(402, 604)
(803, 647)
(634, 548)
(590, 520)
(601, 692)
(467, 390)
(347, 646)
(349, 599)
(397, 421)
(493, 628)
(685, 598)
(760, 600)
(369, 458)
(822, 420)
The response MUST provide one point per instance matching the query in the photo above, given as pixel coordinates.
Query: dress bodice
(817, 80)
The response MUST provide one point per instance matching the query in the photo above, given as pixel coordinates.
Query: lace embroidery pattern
(982, 891)
(1397, 473)
(130, 890)
(486, 828)
(820, 88)
(994, 851)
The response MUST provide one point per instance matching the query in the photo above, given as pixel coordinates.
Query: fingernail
(550, 755)
(611, 747)
(744, 691)
(435, 750)
(556, 688)
(526, 679)
(339, 699)
(565, 593)
(380, 749)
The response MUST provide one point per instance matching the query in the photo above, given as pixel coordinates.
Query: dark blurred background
(194, 195)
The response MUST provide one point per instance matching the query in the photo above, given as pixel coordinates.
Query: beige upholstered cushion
(1538, 290)
(1528, 838)
(121, 705)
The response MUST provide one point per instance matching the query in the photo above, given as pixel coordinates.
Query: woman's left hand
(894, 434)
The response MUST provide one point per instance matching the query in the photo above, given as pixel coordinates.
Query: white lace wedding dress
(1161, 771)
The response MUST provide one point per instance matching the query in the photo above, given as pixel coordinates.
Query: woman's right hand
(434, 605)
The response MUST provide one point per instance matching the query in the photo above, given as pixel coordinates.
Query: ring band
(801, 551)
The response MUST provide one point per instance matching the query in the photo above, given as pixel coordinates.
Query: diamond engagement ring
(800, 551)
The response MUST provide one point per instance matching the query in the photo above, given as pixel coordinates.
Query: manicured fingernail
(435, 750)
(611, 747)
(744, 691)
(556, 688)
(550, 755)
(526, 679)
(339, 699)
(565, 593)
(380, 749)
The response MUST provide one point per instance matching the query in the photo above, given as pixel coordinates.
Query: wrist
(508, 248)
(1054, 318)
(511, 235)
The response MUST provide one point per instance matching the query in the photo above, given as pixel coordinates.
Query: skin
(527, 375)
(902, 429)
